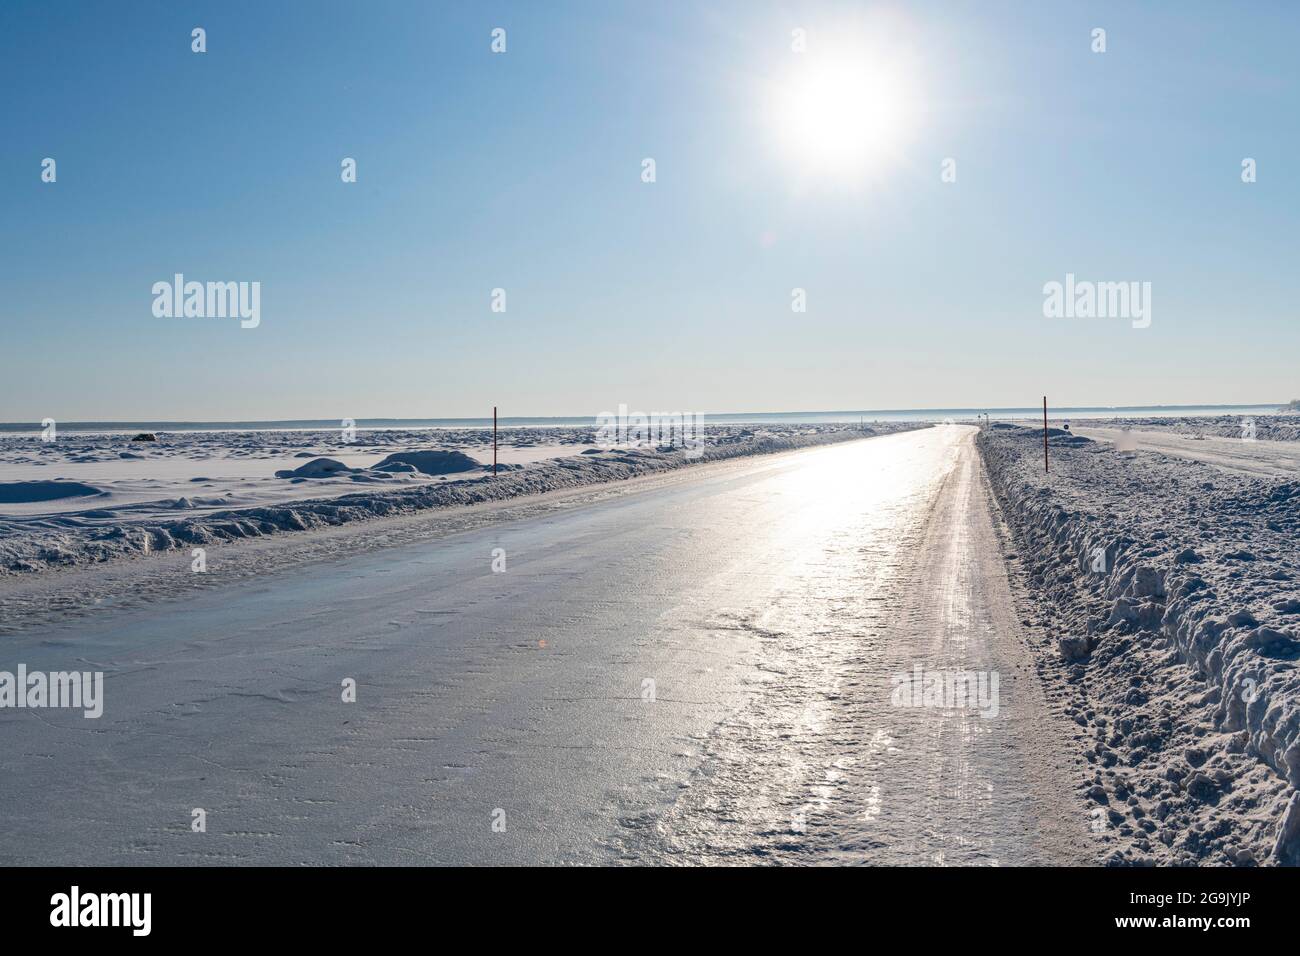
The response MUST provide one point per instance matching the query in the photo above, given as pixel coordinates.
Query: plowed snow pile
(1170, 596)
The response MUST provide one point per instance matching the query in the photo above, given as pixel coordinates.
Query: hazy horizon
(718, 417)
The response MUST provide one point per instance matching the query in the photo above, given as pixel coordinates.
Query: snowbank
(1170, 589)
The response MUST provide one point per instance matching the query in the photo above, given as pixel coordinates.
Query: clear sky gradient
(523, 171)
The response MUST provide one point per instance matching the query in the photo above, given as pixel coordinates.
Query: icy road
(713, 669)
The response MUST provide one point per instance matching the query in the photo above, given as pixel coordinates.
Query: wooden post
(1045, 468)
(494, 440)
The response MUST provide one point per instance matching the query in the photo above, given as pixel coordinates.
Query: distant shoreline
(735, 418)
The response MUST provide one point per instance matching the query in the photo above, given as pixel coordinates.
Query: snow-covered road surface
(700, 672)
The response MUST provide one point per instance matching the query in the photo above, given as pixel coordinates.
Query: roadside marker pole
(1045, 468)
(494, 440)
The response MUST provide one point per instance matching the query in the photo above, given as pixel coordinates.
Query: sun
(837, 116)
(842, 115)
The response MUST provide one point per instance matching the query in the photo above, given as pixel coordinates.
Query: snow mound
(21, 492)
(317, 468)
(430, 462)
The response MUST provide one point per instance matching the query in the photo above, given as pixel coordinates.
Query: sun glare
(842, 116)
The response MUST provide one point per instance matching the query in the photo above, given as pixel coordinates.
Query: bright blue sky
(522, 171)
